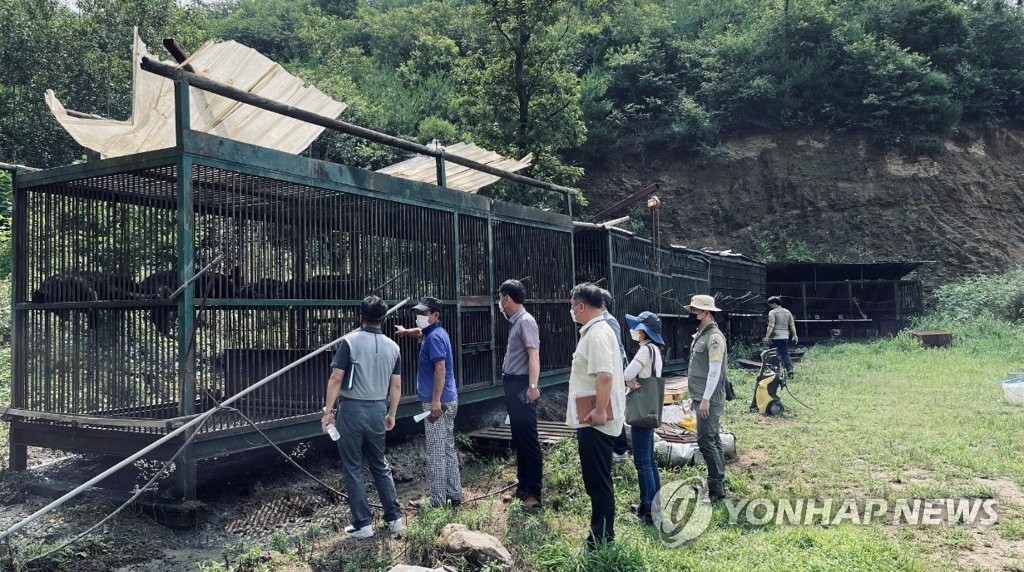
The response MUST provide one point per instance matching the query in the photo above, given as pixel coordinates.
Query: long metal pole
(199, 419)
(12, 167)
(207, 84)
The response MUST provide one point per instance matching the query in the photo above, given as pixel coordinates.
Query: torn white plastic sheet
(423, 168)
(151, 125)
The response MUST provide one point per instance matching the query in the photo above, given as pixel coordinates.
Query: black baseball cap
(428, 304)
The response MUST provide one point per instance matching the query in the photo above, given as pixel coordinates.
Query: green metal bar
(442, 177)
(495, 370)
(146, 160)
(457, 248)
(611, 269)
(185, 473)
(18, 453)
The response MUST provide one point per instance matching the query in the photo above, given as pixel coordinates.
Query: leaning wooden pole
(212, 86)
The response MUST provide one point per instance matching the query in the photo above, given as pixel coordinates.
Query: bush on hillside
(1000, 296)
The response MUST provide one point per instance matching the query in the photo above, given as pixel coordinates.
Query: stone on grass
(475, 546)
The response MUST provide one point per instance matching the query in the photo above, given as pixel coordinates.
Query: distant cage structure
(739, 285)
(847, 300)
(103, 357)
(623, 263)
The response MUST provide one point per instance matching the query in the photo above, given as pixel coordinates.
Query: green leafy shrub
(998, 296)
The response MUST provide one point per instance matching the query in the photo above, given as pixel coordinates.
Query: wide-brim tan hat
(702, 302)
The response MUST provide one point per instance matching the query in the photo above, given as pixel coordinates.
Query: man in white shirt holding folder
(596, 370)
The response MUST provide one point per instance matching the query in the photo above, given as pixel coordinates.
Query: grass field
(890, 420)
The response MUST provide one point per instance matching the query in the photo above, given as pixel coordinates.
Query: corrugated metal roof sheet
(151, 125)
(834, 272)
(423, 168)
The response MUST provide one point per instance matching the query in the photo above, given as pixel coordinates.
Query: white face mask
(422, 322)
(635, 334)
(572, 314)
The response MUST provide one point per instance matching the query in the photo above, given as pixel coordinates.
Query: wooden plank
(548, 433)
(749, 364)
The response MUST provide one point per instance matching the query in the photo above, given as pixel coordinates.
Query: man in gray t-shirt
(520, 377)
(781, 330)
(366, 370)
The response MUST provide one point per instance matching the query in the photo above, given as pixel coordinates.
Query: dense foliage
(1000, 297)
(568, 81)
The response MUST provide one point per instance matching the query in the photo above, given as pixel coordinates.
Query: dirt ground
(250, 498)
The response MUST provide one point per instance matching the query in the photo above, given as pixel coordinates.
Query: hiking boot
(359, 533)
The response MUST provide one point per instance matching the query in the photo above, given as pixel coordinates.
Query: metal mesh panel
(738, 285)
(541, 258)
(473, 257)
(88, 311)
(851, 309)
(322, 253)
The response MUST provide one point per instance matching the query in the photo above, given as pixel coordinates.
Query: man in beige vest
(706, 380)
(781, 331)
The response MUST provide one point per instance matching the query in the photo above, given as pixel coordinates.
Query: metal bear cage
(105, 359)
(624, 264)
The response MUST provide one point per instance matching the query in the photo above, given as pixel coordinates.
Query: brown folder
(585, 404)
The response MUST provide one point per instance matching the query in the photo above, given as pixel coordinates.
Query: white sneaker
(620, 458)
(396, 526)
(359, 533)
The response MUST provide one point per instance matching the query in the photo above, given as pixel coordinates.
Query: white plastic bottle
(333, 432)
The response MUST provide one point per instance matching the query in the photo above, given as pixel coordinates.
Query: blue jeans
(646, 467)
(782, 346)
(361, 424)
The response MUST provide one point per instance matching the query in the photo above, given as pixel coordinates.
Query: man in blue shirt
(435, 387)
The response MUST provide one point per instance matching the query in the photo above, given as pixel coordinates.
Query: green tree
(516, 93)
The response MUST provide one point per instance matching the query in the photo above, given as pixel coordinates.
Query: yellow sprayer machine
(771, 378)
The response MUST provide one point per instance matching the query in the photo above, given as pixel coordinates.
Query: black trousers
(595, 450)
(523, 420)
(621, 446)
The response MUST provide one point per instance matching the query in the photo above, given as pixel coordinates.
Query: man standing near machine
(781, 331)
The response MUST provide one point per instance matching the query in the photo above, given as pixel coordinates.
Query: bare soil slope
(839, 197)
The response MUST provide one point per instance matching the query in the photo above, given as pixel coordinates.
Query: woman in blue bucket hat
(645, 329)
